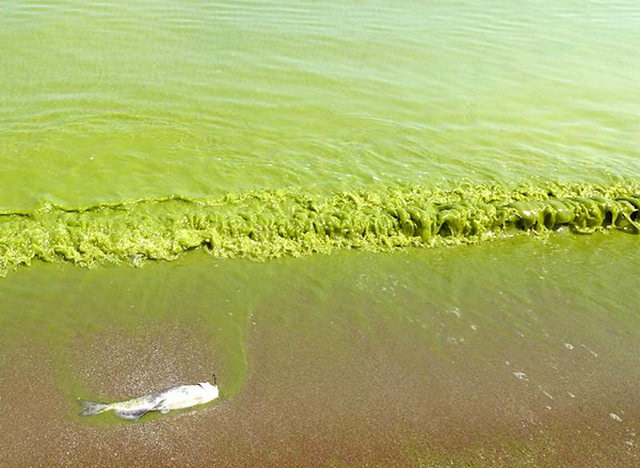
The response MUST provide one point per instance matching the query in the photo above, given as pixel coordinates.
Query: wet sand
(337, 397)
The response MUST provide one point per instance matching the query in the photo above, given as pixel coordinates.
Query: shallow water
(497, 354)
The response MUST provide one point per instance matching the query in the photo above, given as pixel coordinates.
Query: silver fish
(182, 396)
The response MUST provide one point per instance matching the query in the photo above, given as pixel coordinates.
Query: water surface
(126, 100)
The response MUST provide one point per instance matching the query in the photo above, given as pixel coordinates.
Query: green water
(415, 132)
(126, 100)
(539, 288)
(115, 107)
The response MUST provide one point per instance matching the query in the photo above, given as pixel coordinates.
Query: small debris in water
(571, 395)
(593, 353)
(615, 417)
(520, 375)
(547, 394)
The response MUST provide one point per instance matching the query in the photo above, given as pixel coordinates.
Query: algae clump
(268, 224)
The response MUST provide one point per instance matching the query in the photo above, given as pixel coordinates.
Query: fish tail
(92, 407)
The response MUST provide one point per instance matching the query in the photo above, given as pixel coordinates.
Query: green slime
(270, 224)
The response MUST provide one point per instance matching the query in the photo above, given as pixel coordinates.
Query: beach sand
(337, 397)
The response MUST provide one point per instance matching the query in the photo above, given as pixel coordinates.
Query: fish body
(182, 396)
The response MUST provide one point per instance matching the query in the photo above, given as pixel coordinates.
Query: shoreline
(496, 355)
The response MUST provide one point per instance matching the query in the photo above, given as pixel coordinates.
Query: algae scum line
(271, 224)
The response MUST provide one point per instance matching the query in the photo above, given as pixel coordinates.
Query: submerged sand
(419, 359)
(336, 402)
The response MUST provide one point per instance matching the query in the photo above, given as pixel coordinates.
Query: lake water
(464, 148)
(127, 100)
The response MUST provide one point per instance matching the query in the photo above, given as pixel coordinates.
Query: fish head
(211, 392)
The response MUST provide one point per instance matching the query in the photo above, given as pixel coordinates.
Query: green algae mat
(340, 207)
(264, 225)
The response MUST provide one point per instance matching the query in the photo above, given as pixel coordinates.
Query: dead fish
(182, 396)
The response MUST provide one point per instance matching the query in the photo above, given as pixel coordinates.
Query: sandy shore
(519, 354)
(336, 398)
